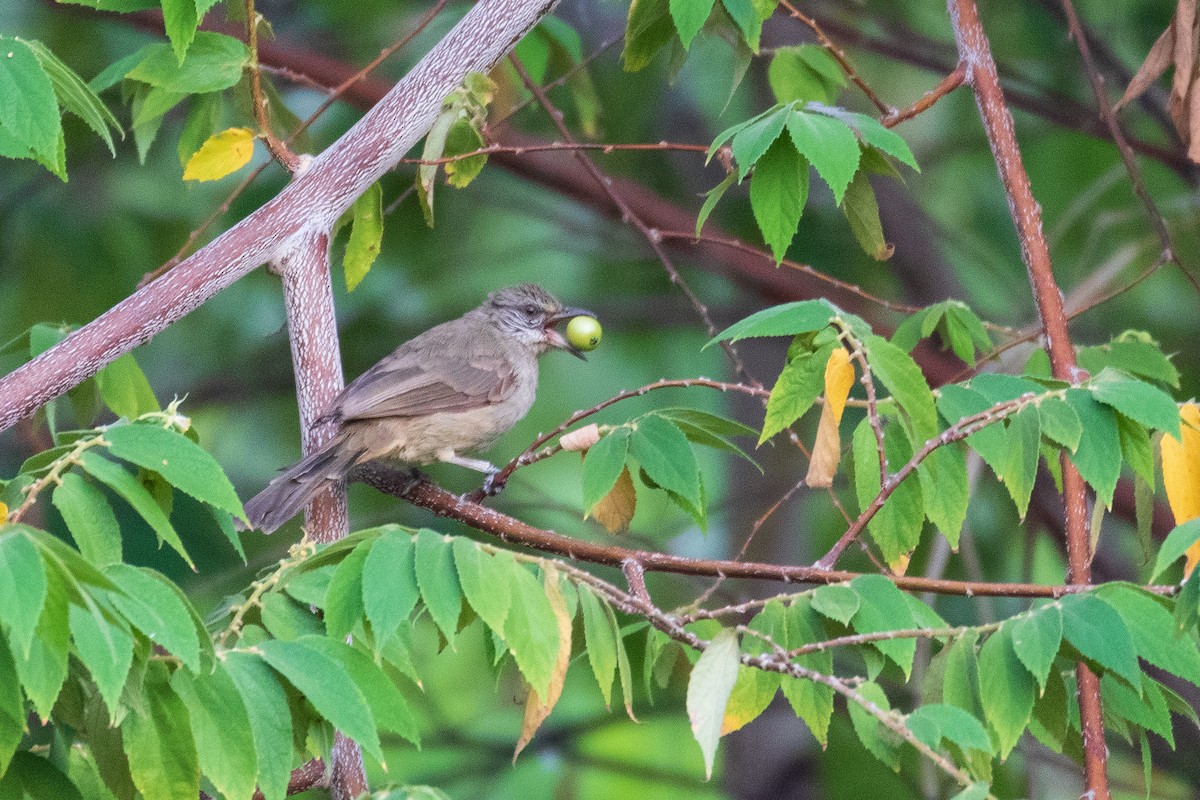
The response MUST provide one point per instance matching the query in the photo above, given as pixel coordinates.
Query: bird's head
(529, 314)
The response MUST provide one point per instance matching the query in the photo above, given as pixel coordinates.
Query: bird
(451, 390)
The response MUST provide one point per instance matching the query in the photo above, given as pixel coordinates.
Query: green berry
(584, 333)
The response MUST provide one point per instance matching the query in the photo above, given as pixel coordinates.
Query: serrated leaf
(221, 154)
(270, 720)
(1153, 630)
(711, 197)
(13, 717)
(438, 581)
(539, 704)
(366, 236)
(42, 665)
(602, 465)
(778, 192)
(803, 73)
(127, 486)
(1035, 639)
(204, 111)
(883, 608)
(647, 29)
(125, 389)
(1006, 689)
(838, 601)
(486, 582)
(874, 134)
(752, 141)
(23, 588)
(1179, 541)
(76, 96)
(811, 701)
(896, 527)
(829, 145)
(870, 732)
(600, 637)
(220, 728)
(1020, 467)
(709, 687)
(666, 456)
(1136, 448)
(344, 603)
(1097, 631)
(933, 723)
(328, 686)
(214, 62)
(388, 707)
(89, 518)
(1060, 423)
(787, 319)
(285, 618)
(106, 649)
(1141, 402)
(1098, 456)
(531, 630)
(389, 584)
(28, 106)
(690, 16)
(616, 509)
(1134, 355)
(945, 490)
(159, 744)
(182, 462)
(795, 391)
(901, 376)
(463, 137)
(155, 610)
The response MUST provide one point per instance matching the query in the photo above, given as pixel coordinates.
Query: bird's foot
(493, 484)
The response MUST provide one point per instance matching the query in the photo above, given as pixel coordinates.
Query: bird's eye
(531, 310)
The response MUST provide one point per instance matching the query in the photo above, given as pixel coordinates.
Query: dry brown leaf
(536, 710)
(581, 439)
(1181, 474)
(826, 451)
(1177, 48)
(616, 509)
(1156, 63)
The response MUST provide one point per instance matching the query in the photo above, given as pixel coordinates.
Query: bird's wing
(410, 385)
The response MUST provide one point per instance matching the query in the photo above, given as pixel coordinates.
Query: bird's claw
(493, 483)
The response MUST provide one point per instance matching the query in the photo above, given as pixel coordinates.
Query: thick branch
(312, 202)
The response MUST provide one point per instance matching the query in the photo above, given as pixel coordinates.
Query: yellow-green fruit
(584, 333)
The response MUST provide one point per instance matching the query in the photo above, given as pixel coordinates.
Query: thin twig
(279, 150)
(839, 56)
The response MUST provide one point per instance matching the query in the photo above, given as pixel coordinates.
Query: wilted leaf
(537, 705)
(709, 687)
(616, 509)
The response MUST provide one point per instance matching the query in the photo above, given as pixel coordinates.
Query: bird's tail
(283, 497)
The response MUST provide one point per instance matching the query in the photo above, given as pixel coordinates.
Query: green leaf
(752, 141)
(1141, 402)
(647, 29)
(1136, 448)
(945, 490)
(366, 236)
(811, 701)
(32, 776)
(1187, 604)
(1137, 355)
(287, 619)
(873, 133)
(709, 687)
(221, 729)
(23, 588)
(155, 610)
(873, 736)
(389, 584)
(388, 706)
(1153, 630)
(214, 62)
(531, 630)
(12, 708)
(666, 456)
(344, 599)
(28, 105)
(789, 319)
(600, 637)
(1035, 639)
(862, 213)
(486, 581)
(602, 466)
(690, 16)
(438, 581)
(328, 686)
(204, 114)
(991, 442)
(128, 487)
(463, 137)
(803, 73)
(896, 527)
(89, 518)
(182, 462)
(1020, 468)
(1097, 631)
(1147, 709)
(709, 430)
(180, 20)
(901, 376)
(1006, 689)
(711, 197)
(270, 720)
(42, 666)
(837, 601)
(76, 96)
(829, 145)
(106, 649)
(883, 608)
(778, 192)
(748, 16)
(125, 389)
(796, 389)
(1060, 423)
(159, 744)
(933, 723)
(1098, 456)
(976, 791)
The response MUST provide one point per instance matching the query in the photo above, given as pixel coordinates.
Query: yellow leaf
(1181, 474)
(221, 154)
(839, 377)
(536, 710)
(616, 509)
(826, 451)
(3, 511)
(900, 564)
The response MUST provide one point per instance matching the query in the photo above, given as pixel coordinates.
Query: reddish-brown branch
(262, 114)
(433, 498)
(839, 56)
(975, 51)
(947, 85)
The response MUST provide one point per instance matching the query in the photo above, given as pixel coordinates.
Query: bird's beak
(556, 339)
